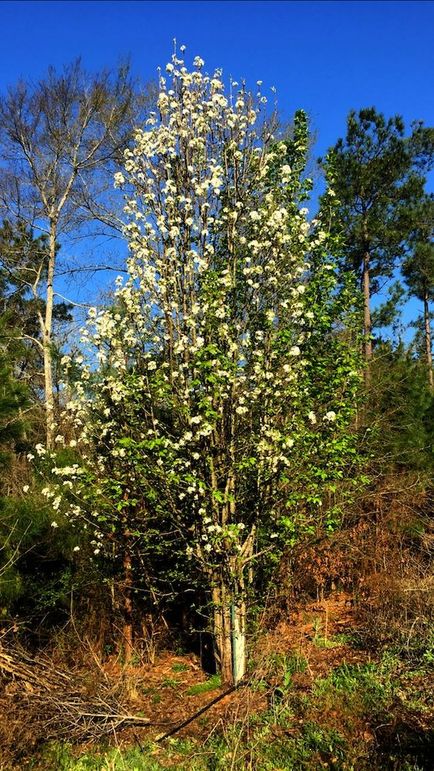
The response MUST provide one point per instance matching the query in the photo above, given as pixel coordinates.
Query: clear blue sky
(326, 57)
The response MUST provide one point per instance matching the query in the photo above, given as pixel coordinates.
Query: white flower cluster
(214, 316)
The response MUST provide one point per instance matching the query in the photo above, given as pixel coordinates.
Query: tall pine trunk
(367, 325)
(428, 350)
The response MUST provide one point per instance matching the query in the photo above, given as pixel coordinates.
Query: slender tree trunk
(128, 607)
(239, 652)
(428, 340)
(47, 338)
(227, 669)
(367, 326)
(222, 632)
(229, 633)
(217, 623)
(228, 582)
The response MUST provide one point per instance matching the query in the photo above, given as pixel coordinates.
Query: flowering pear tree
(208, 424)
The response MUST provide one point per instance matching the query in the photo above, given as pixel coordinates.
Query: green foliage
(24, 260)
(418, 268)
(178, 666)
(372, 173)
(13, 400)
(35, 568)
(286, 666)
(387, 314)
(366, 689)
(208, 685)
(401, 406)
(60, 757)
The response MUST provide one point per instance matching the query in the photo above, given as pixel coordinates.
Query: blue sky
(326, 57)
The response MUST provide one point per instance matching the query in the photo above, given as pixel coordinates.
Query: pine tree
(23, 266)
(418, 270)
(372, 171)
(13, 398)
(401, 408)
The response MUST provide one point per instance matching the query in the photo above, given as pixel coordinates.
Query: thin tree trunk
(229, 634)
(222, 632)
(367, 326)
(428, 340)
(47, 338)
(227, 669)
(128, 607)
(239, 653)
(217, 624)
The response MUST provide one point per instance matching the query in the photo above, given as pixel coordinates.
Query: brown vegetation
(368, 585)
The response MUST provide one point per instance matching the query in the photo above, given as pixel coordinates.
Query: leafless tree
(60, 142)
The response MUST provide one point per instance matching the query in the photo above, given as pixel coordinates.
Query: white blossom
(330, 416)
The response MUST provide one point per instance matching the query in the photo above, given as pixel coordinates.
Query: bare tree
(60, 142)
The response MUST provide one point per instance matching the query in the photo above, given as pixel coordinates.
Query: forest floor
(316, 699)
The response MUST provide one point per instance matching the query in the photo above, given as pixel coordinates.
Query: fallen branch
(42, 702)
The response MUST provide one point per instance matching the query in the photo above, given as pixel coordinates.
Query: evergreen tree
(22, 258)
(12, 400)
(418, 270)
(374, 176)
(402, 410)
(23, 265)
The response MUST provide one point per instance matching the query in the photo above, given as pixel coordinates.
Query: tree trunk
(229, 634)
(428, 340)
(367, 326)
(222, 633)
(128, 607)
(47, 339)
(217, 627)
(239, 652)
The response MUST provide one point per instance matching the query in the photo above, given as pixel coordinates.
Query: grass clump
(177, 754)
(179, 666)
(211, 684)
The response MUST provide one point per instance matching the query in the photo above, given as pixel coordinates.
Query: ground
(316, 699)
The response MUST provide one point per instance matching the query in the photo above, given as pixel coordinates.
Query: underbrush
(347, 685)
(357, 717)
